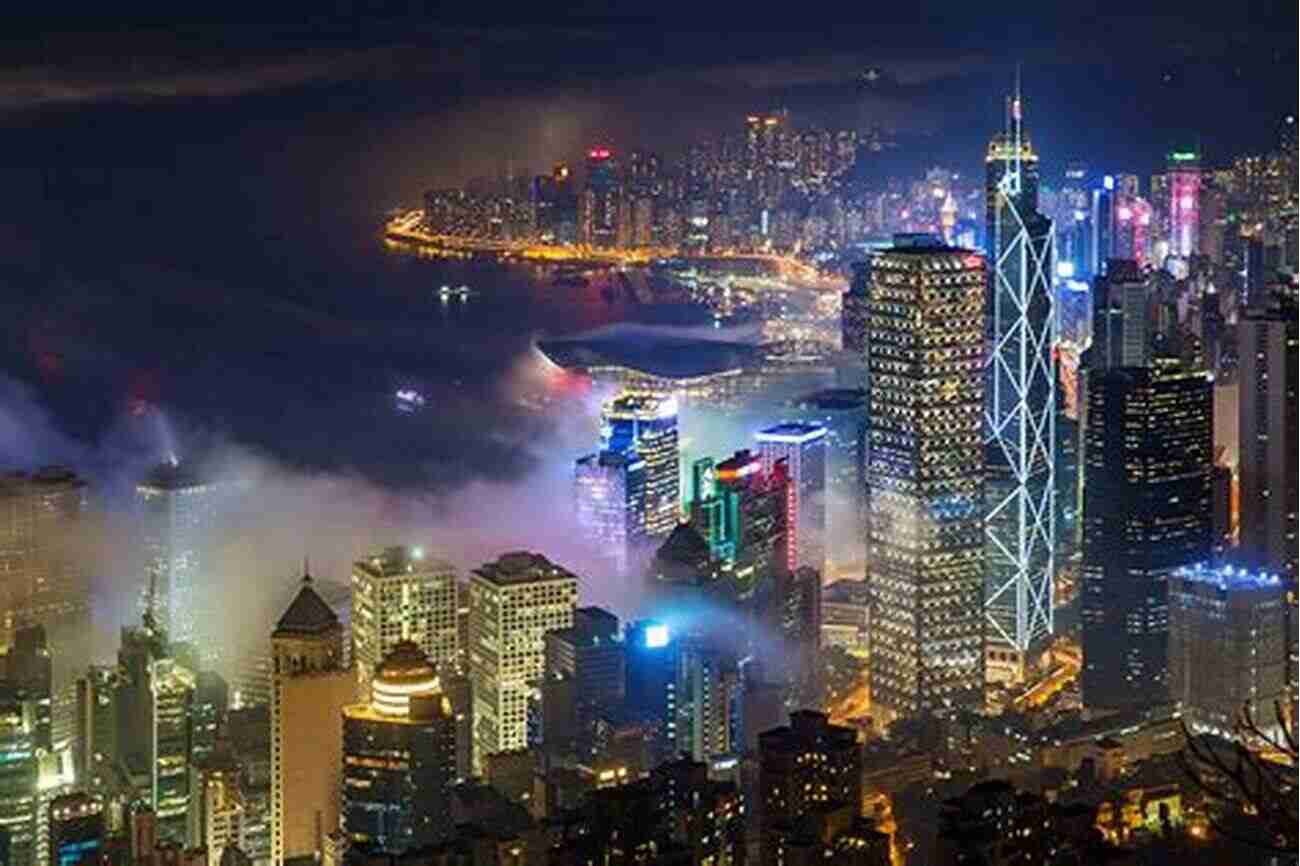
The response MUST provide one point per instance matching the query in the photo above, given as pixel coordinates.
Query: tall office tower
(97, 722)
(708, 699)
(646, 424)
(309, 688)
(1269, 353)
(1019, 401)
(925, 490)
(19, 774)
(584, 676)
(1101, 222)
(399, 758)
(745, 514)
(42, 569)
(803, 448)
(1121, 328)
(609, 503)
(211, 700)
(843, 412)
(1227, 645)
(221, 815)
(598, 217)
(799, 621)
(76, 829)
(650, 658)
(513, 603)
(178, 511)
(807, 768)
(853, 312)
(1148, 449)
(1183, 169)
(402, 594)
(172, 688)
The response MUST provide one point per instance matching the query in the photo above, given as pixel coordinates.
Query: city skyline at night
(649, 435)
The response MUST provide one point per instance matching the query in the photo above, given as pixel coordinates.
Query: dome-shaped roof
(406, 662)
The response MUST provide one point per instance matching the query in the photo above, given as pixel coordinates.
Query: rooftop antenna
(306, 568)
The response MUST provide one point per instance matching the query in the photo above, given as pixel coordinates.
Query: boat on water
(446, 293)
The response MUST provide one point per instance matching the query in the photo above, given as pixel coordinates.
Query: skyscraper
(513, 602)
(399, 758)
(1227, 644)
(646, 424)
(843, 411)
(402, 594)
(1120, 321)
(19, 773)
(925, 545)
(1148, 450)
(853, 313)
(1019, 398)
(609, 501)
(585, 675)
(598, 219)
(309, 688)
(41, 567)
(178, 509)
(171, 686)
(803, 447)
(1184, 173)
(1268, 407)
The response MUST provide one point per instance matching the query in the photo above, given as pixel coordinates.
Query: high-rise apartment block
(514, 602)
(402, 594)
(924, 467)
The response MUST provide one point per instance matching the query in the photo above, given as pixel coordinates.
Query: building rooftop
(835, 399)
(1228, 577)
(794, 432)
(394, 561)
(171, 475)
(651, 352)
(522, 566)
(307, 613)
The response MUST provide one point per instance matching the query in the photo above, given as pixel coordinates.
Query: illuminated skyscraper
(1148, 448)
(19, 771)
(1227, 644)
(1268, 406)
(803, 448)
(513, 602)
(843, 411)
(398, 595)
(609, 501)
(853, 313)
(41, 569)
(76, 829)
(399, 758)
(598, 217)
(1019, 399)
(309, 688)
(172, 688)
(925, 543)
(1184, 173)
(646, 424)
(1121, 324)
(178, 510)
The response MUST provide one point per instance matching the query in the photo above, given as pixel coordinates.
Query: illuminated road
(854, 705)
(407, 228)
(1067, 662)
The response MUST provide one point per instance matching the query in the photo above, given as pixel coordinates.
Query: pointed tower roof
(684, 545)
(307, 613)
